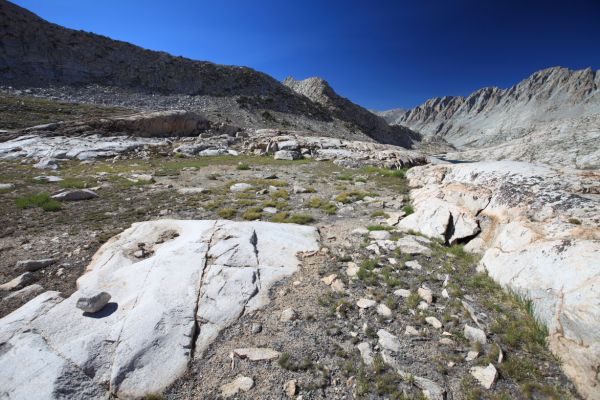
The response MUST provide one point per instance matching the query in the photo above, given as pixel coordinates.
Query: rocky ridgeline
(537, 229)
(47, 60)
(551, 117)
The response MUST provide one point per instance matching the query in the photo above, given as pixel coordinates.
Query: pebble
(290, 388)
(426, 294)
(288, 315)
(402, 293)
(433, 321)
(256, 328)
(365, 303)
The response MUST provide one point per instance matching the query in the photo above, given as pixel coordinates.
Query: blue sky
(380, 54)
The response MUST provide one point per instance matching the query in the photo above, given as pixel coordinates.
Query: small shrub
(329, 209)
(280, 194)
(315, 202)
(301, 219)
(227, 213)
(371, 228)
(379, 213)
(574, 221)
(252, 214)
(242, 167)
(408, 209)
(74, 183)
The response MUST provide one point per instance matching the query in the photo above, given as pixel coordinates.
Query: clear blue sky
(380, 54)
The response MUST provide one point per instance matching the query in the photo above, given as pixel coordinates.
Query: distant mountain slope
(491, 115)
(319, 91)
(37, 54)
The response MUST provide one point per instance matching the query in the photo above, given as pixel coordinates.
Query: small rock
(402, 293)
(366, 352)
(352, 269)
(286, 155)
(75, 195)
(475, 334)
(192, 190)
(379, 235)
(360, 231)
(34, 265)
(27, 291)
(447, 341)
(256, 353)
(270, 210)
(384, 311)
(46, 163)
(6, 186)
(365, 303)
(423, 305)
(328, 280)
(256, 328)
(388, 341)
(290, 388)
(394, 218)
(94, 303)
(445, 294)
(486, 376)
(413, 245)
(433, 321)
(338, 286)
(239, 384)
(411, 331)
(48, 178)
(288, 315)
(414, 264)
(426, 294)
(299, 189)
(472, 355)
(18, 282)
(240, 187)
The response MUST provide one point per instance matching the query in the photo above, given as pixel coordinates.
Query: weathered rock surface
(206, 277)
(540, 236)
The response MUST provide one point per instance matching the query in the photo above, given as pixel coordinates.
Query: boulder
(34, 265)
(203, 278)
(93, 303)
(75, 195)
(18, 282)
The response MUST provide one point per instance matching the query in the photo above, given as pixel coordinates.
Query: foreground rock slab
(196, 283)
(539, 233)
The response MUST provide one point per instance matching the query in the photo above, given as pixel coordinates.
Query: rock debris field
(245, 272)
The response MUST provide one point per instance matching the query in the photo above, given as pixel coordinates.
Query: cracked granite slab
(198, 277)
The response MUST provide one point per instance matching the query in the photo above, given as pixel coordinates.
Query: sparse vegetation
(41, 200)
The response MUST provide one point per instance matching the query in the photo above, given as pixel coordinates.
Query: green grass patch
(287, 218)
(227, 213)
(242, 166)
(252, 214)
(41, 200)
(372, 228)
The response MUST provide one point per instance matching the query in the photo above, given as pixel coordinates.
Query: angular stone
(433, 321)
(414, 264)
(486, 376)
(93, 303)
(475, 334)
(366, 353)
(411, 331)
(388, 341)
(239, 384)
(365, 303)
(384, 311)
(287, 155)
(379, 235)
(413, 245)
(257, 353)
(290, 388)
(402, 293)
(426, 294)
